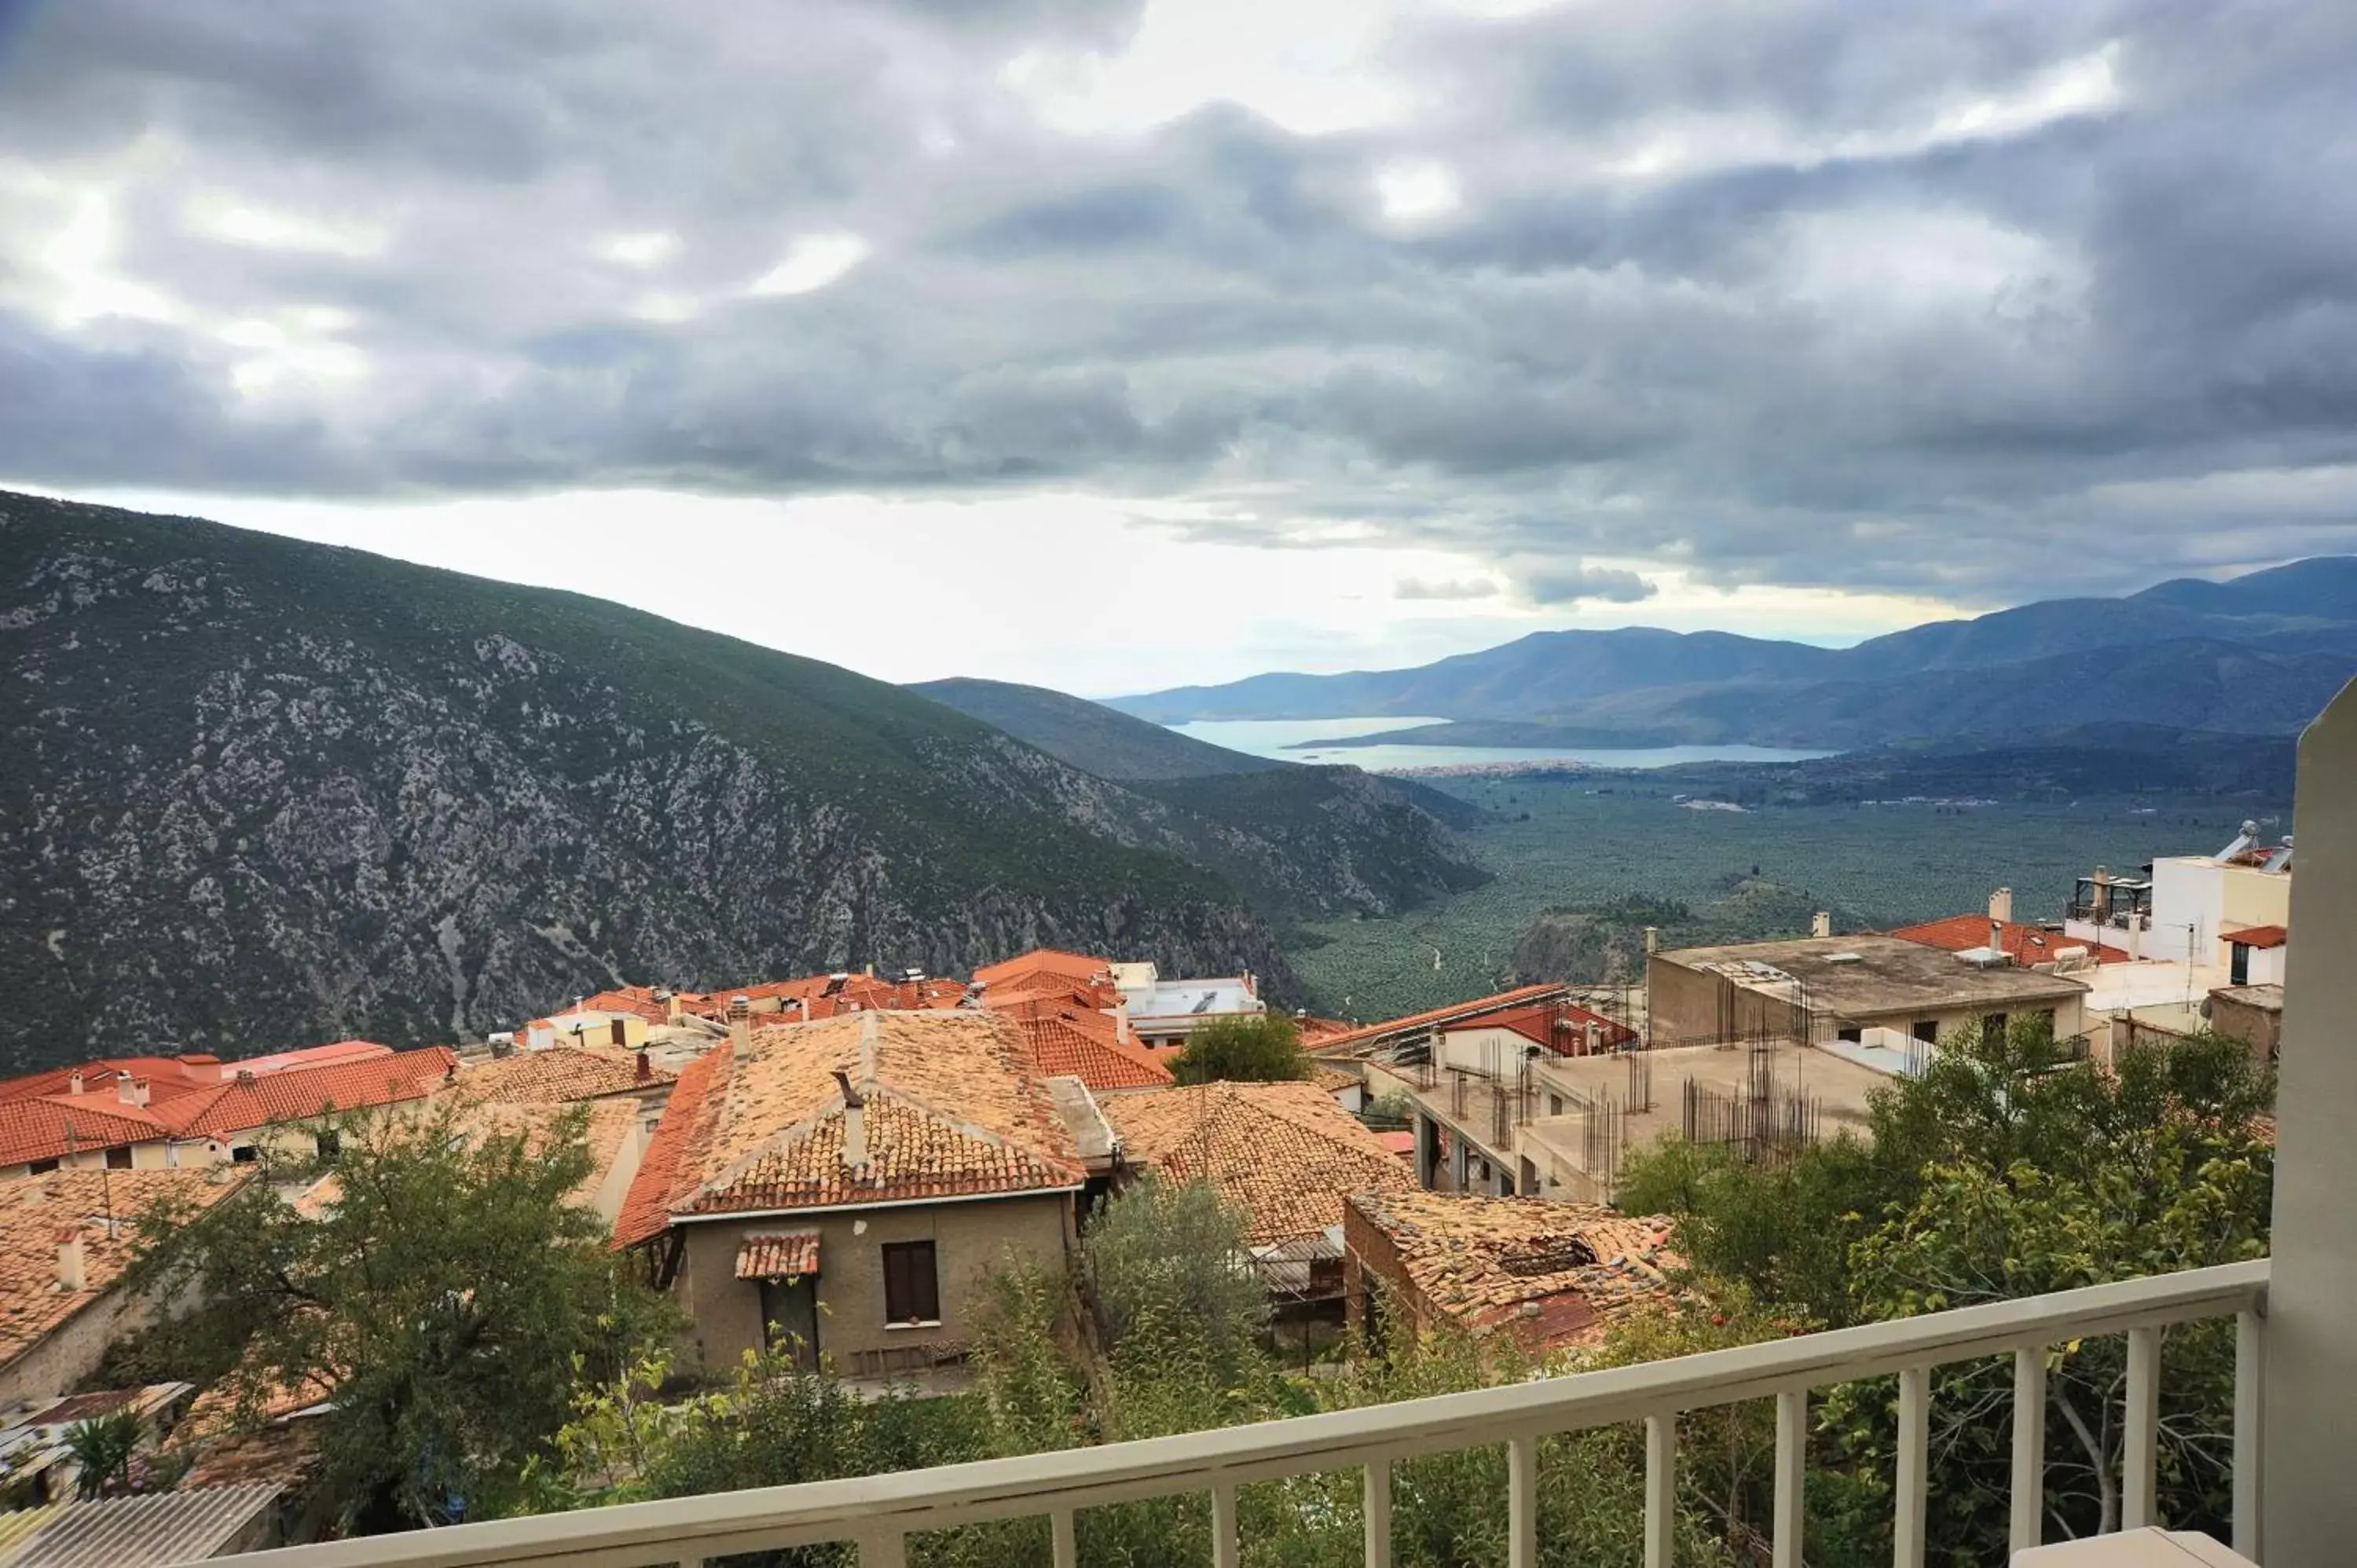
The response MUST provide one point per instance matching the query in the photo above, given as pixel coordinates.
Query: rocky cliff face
(257, 793)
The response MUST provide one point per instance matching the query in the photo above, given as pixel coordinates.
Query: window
(118, 1159)
(1993, 1028)
(1555, 1105)
(1927, 1030)
(41, 1167)
(912, 1292)
(1852, 1033)
(243, 1155)
(331, 1145)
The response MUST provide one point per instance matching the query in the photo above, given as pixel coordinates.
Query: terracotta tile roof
(777, 1255)
(2028, 946)
(311, 1056)
(238, 1431)
(638, 1001)
(1070, 966)
(1456, 1012)
(1560, 1026)
(1401, 1144)
(1483, 1260)
(48, 1129)
(831, 996)
(36, 1212)
(646, 1211)
(953, 1107)
(1335, 1079)
(1284, 1153)
(610, 1127)
(2259, 937)
(557, 1074)
(1083, 1044)
(241, 1105)
(165, 1077)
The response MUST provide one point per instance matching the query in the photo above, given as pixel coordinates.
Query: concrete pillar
(1461, 1166)
(1427, 1153)
(2310, 1509)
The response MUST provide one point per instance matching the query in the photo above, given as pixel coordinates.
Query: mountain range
(2257, 654)
(256, 792)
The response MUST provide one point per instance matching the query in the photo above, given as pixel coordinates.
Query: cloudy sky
(1114, 346)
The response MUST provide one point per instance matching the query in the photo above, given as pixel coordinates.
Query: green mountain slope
(257, 793)
(1091, 736)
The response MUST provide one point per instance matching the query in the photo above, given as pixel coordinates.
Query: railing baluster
(2140, 1479)
(1914, 1466)
(2028, 1447)
(1523, 1503)
(1661, 1488)
(1067, 1538)
(1791, 1474)
(2250, 1369)
(1223, 1526)
(1378, 1512)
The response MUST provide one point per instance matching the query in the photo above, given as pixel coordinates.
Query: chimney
(202, 1069)
(70, 1277)
(740, 1027)
(131, 1090)
(869, 971)
(73, 1084)
(671, 1008)
(2001, 904)
(1652, 939)
(2136, 936)
(1821, 924)
(801, 1009)
(855, 1122)
(646, 1068)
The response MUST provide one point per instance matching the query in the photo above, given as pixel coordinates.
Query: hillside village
(831, 1164)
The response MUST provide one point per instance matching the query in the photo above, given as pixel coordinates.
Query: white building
(1165, 1011)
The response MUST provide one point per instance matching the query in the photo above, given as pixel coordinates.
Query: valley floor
(1558, 842)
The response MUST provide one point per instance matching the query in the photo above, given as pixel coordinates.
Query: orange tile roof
(311, 1056)
(557, 1074)
(646, 1209)
(787, 1255)
(2259, 937)
(36, 1212)
(2028, 946)
(242, 1105)
(1072, 1039)
(1560, 1026)
(1578, 1266)
(49, 1129)
(1367, 1034)
(832, 995)
(1070, 966)
(1284, 1153)
(638, 1001)
(165, 1075)
(953, 1107)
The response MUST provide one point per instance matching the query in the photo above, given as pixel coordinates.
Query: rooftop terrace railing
(878, 1512)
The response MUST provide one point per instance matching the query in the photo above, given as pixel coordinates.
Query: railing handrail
(685, 1529)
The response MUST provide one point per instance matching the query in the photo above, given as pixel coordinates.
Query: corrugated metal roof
(20, 1525)
(142, 1532)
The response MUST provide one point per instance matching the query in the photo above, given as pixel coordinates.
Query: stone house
(842, 1185)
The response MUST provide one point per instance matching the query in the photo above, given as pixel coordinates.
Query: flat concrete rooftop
(1867, 975)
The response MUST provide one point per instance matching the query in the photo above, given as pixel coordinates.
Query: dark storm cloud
(1923, 296)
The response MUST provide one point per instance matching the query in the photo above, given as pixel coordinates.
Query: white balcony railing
(877, 1512)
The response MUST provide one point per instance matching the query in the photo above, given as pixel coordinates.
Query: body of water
(1280, 738)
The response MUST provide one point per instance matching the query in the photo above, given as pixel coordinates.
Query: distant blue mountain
(2250, 655)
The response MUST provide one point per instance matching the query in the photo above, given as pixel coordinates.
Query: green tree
(447, 1298)
(1261, 1049)
(102, 1448)
(1169, 1282)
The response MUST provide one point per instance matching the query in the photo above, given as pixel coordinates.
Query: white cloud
(1416, 190)
(219, 216)
(811, 264)
(651, 249)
